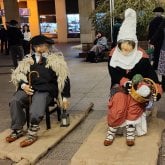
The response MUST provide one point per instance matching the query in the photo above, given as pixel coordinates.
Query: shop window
(24, 14)
(73, 22)
(48, 25)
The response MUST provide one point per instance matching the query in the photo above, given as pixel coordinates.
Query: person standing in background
(159, 37)
(153, 26)
(115, 30)
(27, 36)
(3, 36)
(15, 40)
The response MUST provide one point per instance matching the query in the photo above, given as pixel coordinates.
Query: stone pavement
(90, 82)
(94, 152)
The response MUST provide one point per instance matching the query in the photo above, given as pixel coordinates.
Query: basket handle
(154, 84)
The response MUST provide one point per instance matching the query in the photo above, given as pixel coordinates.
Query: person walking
(15, 41)
(27, 36)
(51, 80)
(153, 26)
(115, 30)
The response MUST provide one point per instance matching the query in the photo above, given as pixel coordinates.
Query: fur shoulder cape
(55, 61)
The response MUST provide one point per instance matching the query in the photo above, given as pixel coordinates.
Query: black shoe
(163, 87)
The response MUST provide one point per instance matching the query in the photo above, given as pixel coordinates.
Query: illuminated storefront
(47, 17)
(59, 19)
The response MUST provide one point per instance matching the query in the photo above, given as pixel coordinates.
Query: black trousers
(4, 43)
(26, 47)
(156, 55)
(37, 108)
(163, 83)
(16, 53)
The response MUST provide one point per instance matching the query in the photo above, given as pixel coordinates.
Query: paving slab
(145, 151)
(47, 139)
(90, 82)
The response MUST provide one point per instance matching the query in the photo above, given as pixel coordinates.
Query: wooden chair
(48, 112)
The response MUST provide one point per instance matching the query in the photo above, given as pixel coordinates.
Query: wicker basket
(141, 99)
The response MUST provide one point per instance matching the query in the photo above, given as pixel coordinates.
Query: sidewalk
(90, 82)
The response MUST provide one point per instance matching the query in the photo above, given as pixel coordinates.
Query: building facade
(59, 19)
(64, 20)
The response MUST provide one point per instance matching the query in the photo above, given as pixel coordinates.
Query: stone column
(3, 17)
(61, 20)
(87, 35)
(11, 10)
(34, 17)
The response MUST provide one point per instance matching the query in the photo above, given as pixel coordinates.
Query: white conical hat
(128, 28)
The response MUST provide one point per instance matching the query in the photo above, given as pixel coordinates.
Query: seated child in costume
(125, 61)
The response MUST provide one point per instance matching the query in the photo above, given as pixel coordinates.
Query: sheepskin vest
(54, 61)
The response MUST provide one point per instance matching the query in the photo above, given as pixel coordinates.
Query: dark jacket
(143, 67)
(115, 31)
(47, 80)
(153, 26)
(157, 38)
(3, 34)
(15, 36)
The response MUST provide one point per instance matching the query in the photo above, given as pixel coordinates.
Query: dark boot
(163, 83)
(90, 56)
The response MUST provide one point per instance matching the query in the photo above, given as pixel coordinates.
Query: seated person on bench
(100, 44)
(41, 76)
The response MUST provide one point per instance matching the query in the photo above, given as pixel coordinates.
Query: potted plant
(101, 16)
